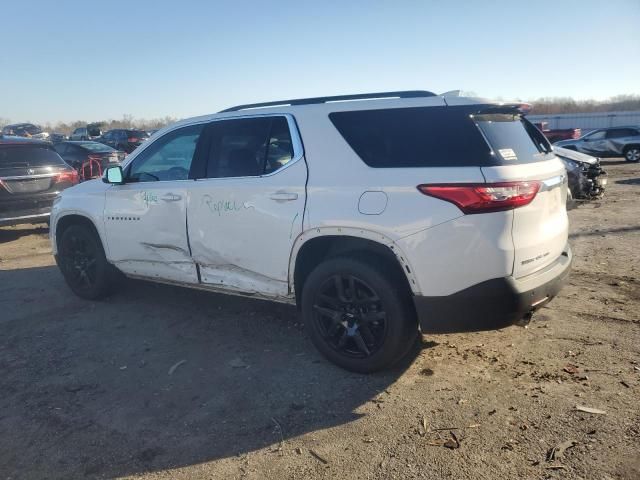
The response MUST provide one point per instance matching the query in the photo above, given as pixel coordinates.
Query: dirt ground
(164, 382)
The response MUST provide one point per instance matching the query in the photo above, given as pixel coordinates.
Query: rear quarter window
(438, 137)
(413, 137)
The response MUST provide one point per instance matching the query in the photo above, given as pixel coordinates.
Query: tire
(632, 153)
(337, 321)
(83, 264)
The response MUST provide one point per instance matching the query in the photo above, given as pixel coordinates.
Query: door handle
(283, 196)
(170, 197)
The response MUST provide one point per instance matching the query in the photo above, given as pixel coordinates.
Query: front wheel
(357, 316)
(632, 154)
(83, 263)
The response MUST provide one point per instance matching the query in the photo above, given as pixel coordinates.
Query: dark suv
(31, 176)
(123, 139)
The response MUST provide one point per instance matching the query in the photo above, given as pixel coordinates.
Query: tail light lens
(484, 197)
(577, 133)
(69, 176)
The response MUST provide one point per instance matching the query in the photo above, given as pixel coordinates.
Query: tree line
(127, 121)
(541, 106)
(545, 106)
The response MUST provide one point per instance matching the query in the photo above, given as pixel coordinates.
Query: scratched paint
(293, 223)
(220, 207)
(149, 198)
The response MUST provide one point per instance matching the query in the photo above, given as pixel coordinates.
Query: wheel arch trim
(353, 232)
(75, 213)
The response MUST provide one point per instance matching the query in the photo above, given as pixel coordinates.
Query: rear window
(512, 139)
(31, 156)
(436, 137)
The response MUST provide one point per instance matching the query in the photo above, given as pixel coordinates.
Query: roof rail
(338, 98)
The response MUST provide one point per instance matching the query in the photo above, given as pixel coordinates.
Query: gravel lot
(164, 382)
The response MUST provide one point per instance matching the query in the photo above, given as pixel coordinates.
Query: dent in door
(222, 270)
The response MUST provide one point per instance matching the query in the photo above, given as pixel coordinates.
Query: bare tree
(569, 105)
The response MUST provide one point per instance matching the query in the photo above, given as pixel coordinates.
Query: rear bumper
(495, 303)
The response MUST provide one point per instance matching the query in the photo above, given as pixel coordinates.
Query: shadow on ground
(156, 377)
(629, 181)
(10, 234)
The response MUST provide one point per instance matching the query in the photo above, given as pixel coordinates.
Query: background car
(56, 137)
(89, 158)
(28, 130)
(124, 139)
(587, 179)
(558, 134)
(608, 142)
(90, 132)
(32, 174)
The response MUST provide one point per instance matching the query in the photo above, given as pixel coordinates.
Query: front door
(246, 212)
(145, 219)
(595, 143)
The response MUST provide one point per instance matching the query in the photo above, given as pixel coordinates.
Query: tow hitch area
(524, 321)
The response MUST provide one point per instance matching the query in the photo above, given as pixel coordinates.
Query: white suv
(377, 214)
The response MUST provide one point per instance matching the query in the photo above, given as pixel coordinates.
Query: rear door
(145, 219)
(246, 211)
(595, 143)
(540, 229)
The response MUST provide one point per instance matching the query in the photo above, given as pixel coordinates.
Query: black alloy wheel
(359, 313)
(349, 314)
(83, 263)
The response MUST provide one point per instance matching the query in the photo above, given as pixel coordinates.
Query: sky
(68, 60)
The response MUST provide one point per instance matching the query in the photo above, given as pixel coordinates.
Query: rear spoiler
(516, 108)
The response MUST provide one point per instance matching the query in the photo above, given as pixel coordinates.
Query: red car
(559, 134)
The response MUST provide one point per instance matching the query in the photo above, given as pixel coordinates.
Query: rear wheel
(83, 263)
(358, 317)
(632, 153)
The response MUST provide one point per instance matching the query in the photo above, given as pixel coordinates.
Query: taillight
(484, 197)
(133, 140)
(69, 176)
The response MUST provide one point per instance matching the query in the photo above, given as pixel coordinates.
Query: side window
(280, 147)
(599, 135)
(167, 158)
(620, 132)
(249, 147)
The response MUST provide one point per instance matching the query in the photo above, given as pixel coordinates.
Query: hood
(95, 186)
(573, 155)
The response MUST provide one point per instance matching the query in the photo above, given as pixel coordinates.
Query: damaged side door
(246, 210)
(145, 218)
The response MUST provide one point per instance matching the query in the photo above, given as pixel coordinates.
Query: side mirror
(113, 175)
